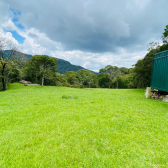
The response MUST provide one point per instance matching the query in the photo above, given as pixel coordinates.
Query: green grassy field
(67, 127)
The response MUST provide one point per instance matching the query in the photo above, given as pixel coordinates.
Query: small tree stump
(148, 92)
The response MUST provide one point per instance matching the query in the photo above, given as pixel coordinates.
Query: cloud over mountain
(94, 29)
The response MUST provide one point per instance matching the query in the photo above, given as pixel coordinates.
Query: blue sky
(90, 33)
(15, 35)
(15, 20)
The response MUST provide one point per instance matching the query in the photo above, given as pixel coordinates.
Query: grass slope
(67, 127)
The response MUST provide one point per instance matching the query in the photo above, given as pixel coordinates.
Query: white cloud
(96, 61)
(8, 40)
(9, 25)
(90, 33)
(35, 42)
(38, 43)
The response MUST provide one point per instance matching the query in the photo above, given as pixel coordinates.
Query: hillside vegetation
(69, 127)
(62, 67)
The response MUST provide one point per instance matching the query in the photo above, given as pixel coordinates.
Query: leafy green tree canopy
(8, 62)
(42, 64)
(165, 35)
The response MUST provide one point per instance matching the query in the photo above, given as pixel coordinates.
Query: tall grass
(67, 127)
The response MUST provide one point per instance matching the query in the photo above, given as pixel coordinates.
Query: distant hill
(62, 67)
(7, 52)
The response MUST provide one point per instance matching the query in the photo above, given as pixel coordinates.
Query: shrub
(94, 86)
(131, 85)
(75, 86)
(67, 84)
(81, 86)
(59, 84)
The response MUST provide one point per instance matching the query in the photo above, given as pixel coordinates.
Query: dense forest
(42, 69)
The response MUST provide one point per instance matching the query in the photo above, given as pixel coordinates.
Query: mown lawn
(67, 127)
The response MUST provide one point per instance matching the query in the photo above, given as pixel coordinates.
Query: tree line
(42, 69)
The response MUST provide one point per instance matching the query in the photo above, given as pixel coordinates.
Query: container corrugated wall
(159, 78)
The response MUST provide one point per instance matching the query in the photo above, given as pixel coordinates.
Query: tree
(143, 69)
(90, 78)
(81, 75)
(165, 35)
(86, 77)
(40, 68)
(120, 77)
(35, 63)
(43, 64)
(9, 59)
(117, 80)
(153, 45)
(111, 72)
(71, 77)
(103, 79)
(1, 88)
(124, 70)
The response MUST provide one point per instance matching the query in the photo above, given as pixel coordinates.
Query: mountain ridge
(62, 67)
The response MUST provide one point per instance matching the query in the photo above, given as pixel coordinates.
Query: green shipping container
(159, 77)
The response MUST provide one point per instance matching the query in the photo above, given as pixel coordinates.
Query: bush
(94, 86)
(75, 86)
(67, 84)
(131, 85)
(59, 84)
(81, 86)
